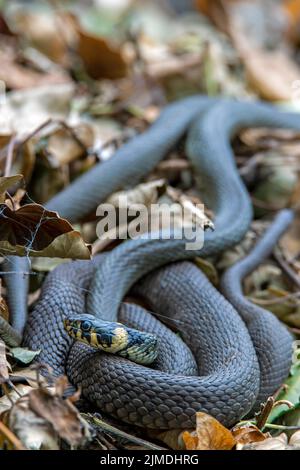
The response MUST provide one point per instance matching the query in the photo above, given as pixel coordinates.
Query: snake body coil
(230, 386)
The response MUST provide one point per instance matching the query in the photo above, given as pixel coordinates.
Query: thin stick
(11, 437)
(265, 412)
(9, 155)
(287, 269)
(122, 434)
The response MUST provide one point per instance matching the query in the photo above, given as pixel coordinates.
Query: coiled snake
(241, 356)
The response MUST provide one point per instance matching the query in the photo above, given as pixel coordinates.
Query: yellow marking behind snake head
(113, 337)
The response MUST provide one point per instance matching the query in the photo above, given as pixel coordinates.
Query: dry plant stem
(287, 269)
(276, 301)
(122, 434)
(11, 437)
(262, 205)
(46, 124)
(265, 412)
(9, 156)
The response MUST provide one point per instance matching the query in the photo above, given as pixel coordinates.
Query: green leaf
(291, 393)
(24, 355)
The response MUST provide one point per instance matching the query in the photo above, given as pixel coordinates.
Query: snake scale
(229, 341)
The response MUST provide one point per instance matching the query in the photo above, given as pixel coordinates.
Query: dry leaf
(7, 182)
(64, 148)
(144, 193)
(272, 443)
(61, 414)
(209, 435)
(17, 76)
(26, 110)
(6, 403)
(282, 72)
(172, 438)
(295, 439)
(49, 33)
(247, 434)
(42, 417)
(36, 231)
(100, 59)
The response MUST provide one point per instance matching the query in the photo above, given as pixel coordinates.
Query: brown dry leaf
(230, 17)
(290, 242)
(172, 438)
(26, 110)
(247, 434)
(4, 28)
(7, 182)
(209, 435)
(6, 403)
(61, 414)
(17, 76)
(64, 148)
(292, 7)
(272, 443)
(282, 72)
(34, 230)
(49, 33)
(41, 417)
(144, 193)
(29, 375)
(100, 59)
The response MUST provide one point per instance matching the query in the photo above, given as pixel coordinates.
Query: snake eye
(85, 326)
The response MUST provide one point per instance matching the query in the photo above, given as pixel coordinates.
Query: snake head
(113, 337)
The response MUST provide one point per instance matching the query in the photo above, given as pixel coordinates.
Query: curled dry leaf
(101, 59)
(64, 148)
(209, 435)
(36, 231)
(42, 417)
(247, 434)
(7, 182)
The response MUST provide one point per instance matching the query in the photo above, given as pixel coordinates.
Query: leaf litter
(79, 83)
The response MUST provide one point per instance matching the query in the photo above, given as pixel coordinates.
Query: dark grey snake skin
(208, 148)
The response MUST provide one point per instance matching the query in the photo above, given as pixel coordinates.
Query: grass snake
(231, 374)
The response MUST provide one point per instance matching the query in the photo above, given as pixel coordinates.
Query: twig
(9, 155)
(280, 300)
(282, 427)
(11, 437)
(264, 413)
(124, 435)
(287, 269)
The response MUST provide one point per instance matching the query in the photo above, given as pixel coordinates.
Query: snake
(228, 346)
